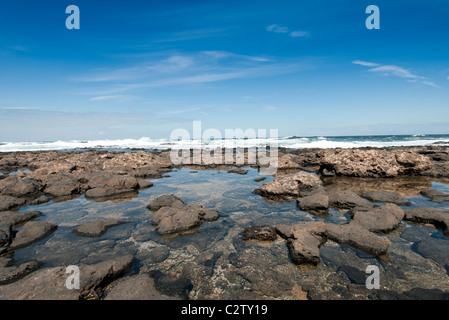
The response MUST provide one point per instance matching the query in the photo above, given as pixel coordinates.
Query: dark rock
(261, 233)
(95, 228)
(435, 249)
(138, 287)
(386, 196)
(355, 275)
(159, 254)
(238, 171)
(260, 179)
(166, 200)
(40, 200)
(31, 232)
(14, 273)
(435, 195)
(428, 215)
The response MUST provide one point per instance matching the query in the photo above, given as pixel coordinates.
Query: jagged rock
(298, 184)
(261, 233)
(386, 196)
(379, 219)
(347, 200)
(166, 200)
(31, 232)
(50, 283)
(373, 162)
(429, 215)
(95, 228)
(435, 195)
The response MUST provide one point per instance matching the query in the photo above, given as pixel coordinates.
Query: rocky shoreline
(30, 179)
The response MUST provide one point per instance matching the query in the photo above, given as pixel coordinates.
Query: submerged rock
(96, 228)
(435, 195)
(429, 215)
(261, 233)
(31, 232)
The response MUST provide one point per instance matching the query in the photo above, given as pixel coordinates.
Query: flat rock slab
(95, 228)
(138, 287)
(15, 218)
(261, 233)
(435, 195)
(358, 237)
(50, 283)
(386, 197)
(31, 232)
(379, 219)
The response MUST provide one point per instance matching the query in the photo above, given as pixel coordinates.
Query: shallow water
(213, 262)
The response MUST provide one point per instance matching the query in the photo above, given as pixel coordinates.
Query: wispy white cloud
(397, 71)
(204, 67)
(299, 34)
(281, 29)
(277, 28)
(18, 48)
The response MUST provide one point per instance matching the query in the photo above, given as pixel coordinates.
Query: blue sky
(142, 69)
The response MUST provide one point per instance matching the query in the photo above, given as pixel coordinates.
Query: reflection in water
(213, 262)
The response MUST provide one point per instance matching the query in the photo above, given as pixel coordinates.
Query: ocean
(291, 142)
